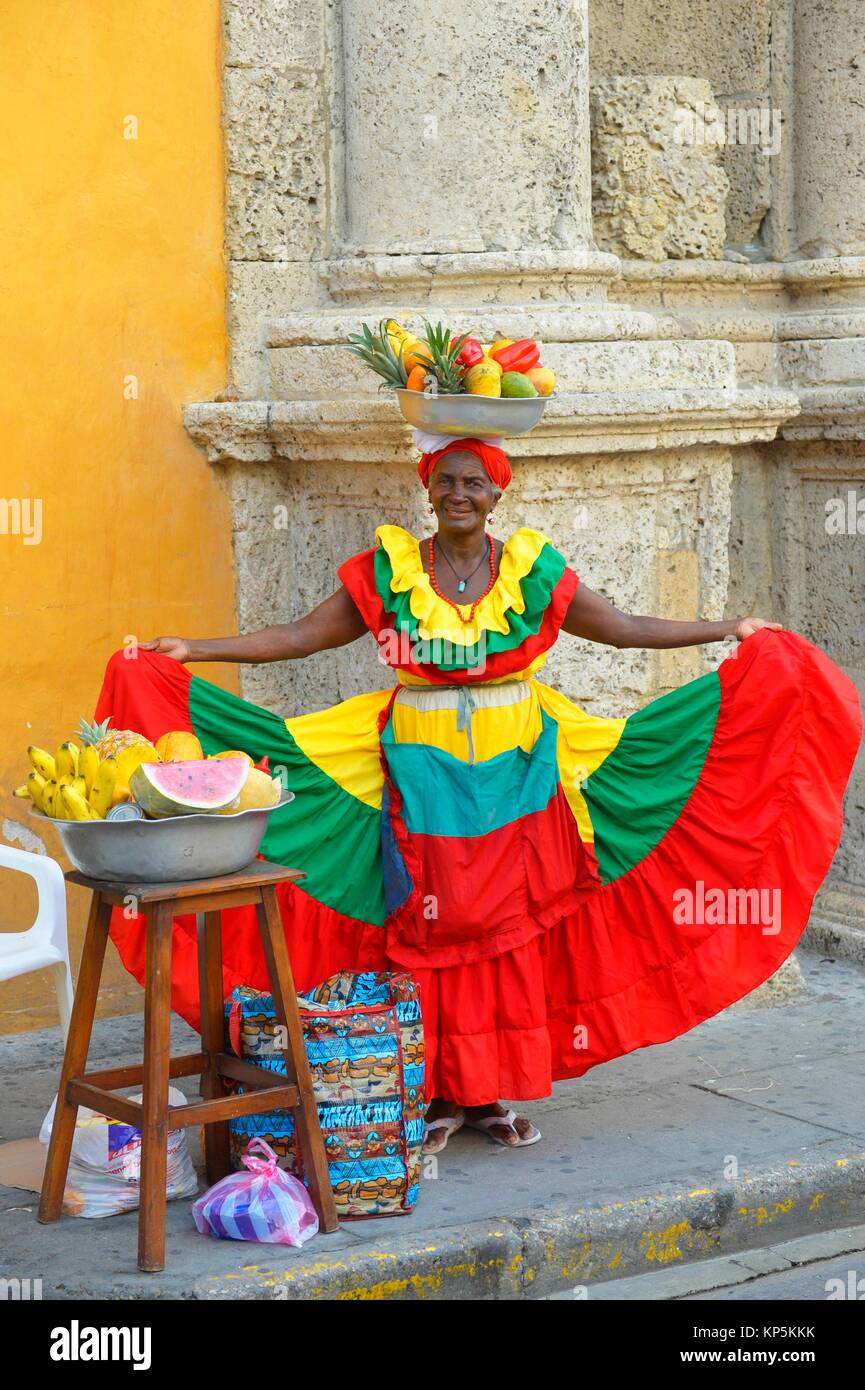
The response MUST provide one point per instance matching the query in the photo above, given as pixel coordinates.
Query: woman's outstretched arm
(591, 615)
(334, 623)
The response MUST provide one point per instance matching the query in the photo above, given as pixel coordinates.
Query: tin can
(125, 810)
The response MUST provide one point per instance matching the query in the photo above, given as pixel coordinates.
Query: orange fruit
(499, 343)
(416, 380)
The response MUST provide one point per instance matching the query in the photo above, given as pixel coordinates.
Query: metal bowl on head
(164, 851)
(466, 416)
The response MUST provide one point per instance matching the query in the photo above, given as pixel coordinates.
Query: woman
(565, 888)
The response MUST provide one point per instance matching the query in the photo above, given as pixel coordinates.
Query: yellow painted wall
(111, 266)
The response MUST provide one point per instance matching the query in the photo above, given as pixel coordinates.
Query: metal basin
(164, 851)
(468, 416)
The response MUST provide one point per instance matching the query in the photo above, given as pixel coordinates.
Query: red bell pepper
(518, 357)
(470, 354)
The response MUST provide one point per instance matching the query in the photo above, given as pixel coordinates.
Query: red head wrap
(494, 460)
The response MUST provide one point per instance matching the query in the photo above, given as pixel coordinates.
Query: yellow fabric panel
(584, 741)
(436, 618)
(494, 730)
(343, 743)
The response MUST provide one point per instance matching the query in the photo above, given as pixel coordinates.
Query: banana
(88, 766)
(23, 790)
(42, 762)
(80, 786)
(36, 785)
(49, 797)
(66, 759)
(103, 787)
(74, 806)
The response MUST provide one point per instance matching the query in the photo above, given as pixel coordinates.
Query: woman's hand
(176, 647)
(746, 627)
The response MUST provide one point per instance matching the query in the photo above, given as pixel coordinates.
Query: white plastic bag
(104, 1175)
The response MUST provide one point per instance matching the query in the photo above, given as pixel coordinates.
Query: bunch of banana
(71, 784)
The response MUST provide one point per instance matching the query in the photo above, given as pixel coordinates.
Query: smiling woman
(524, 860)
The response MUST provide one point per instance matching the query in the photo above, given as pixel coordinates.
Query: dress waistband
(465, 699)
(431, 697)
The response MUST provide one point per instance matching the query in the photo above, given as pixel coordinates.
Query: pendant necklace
(461, 583)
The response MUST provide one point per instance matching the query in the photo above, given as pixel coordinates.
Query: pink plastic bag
(263, 1204)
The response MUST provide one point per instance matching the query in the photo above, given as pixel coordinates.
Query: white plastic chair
(45, 944)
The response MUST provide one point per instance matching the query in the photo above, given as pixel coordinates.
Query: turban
(494, 460)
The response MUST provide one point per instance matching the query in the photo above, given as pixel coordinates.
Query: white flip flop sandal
(490, 1121)
(450, 1123)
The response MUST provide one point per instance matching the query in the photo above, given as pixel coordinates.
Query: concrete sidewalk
(747, 1131)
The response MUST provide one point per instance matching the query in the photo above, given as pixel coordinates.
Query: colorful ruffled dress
(565, 888)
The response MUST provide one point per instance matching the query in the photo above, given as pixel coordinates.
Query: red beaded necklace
(456, 606)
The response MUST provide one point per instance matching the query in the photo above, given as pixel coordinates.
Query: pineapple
(443, 353)
(109, 742)
(376, 350)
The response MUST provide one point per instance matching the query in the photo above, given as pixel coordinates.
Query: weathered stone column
(465, 131)
(829, 196)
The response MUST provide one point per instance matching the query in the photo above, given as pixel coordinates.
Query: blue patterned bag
(364, 1042)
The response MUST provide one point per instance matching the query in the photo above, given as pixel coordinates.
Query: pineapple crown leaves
(376, 351)
(444, 353)
(91, 733)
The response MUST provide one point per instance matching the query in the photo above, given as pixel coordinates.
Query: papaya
(483, 380)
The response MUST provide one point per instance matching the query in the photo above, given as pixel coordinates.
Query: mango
(517, 384)
(178, 746)
(543, 380)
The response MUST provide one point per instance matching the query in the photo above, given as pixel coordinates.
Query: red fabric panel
(491, 893)
(765, 814)
(145, 693)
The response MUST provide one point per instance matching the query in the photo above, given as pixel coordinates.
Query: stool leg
(154, 1125)
(296, 1065)
(217, 1149)
(74, 1058)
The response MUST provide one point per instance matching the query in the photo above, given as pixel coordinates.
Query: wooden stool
(160, 903)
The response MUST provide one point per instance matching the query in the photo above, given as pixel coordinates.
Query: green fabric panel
(442, 795)
(638, 792)
(327, 832)
(536, 588)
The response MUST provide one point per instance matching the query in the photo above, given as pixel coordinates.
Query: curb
(540, 1253)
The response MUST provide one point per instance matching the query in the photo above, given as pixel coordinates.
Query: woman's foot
(514, 1135)
(443, 1119)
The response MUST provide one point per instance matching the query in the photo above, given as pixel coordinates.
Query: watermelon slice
(188, 788)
